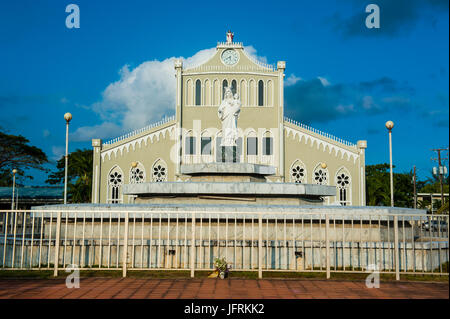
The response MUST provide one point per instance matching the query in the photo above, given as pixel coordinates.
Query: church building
(298, 153)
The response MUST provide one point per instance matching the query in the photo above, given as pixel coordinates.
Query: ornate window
(298, 172)
(115, 182)
(224, 85)
(137, 174)
(233, 87)
(260, 93)
(320, 175)
(267, 144)
(159, 171)
(198, 92)
(343, 183)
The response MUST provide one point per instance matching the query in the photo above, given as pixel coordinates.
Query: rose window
(297, 174)
(320, 176)
(343, 180)
(137, 175)
(159, 173)
(115, 178)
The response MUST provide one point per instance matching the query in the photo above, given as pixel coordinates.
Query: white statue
(228, 113)
(230, 36)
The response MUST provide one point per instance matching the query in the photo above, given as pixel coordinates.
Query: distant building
(31, 196)
(298, 153)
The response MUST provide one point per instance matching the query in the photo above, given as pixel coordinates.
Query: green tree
(79, 175)
(16, 153)
(378, 190)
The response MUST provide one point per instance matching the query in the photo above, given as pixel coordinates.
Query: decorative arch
(234, 86)
(297, 172)
(261, 96)
(320, 175)
(269, 93)
(224, 85)
(114, 185)
(198, 92)
(207, 94)
(137, 174)
(189, 92)
(216, 92)
(159, 171)
(251, 93)
(243, 93)
(343, 182)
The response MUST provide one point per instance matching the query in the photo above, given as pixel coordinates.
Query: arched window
(206, 143)
(320, 175)
(137, 174)
(224, 85)
(159, 171)
(243, 93)
(233, 87)
(298, 172)
(198, 92)
(115, 182)
(344, 184)
(267, 143)
(207, 94)
(260, 93)
(251, 93)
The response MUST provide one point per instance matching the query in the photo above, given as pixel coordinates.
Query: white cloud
(251, 51)
(45, 133)
(104, 130)
(58, 152)
(141, 96)
(368, 102)
(344, 109)
(323, 81)
(291, 80)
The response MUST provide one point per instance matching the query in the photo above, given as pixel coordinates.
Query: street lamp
(14, 171)
(133, 169)
(67, 117)
(389, 126)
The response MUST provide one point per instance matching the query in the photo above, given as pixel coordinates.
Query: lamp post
(389, 126)
(14, 171)
(133, 168)
(67, 117)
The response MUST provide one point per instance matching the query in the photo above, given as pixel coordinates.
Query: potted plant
(222, 267)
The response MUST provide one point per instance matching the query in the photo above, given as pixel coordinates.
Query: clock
(230, 57)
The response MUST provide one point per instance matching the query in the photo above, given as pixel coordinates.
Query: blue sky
(349, 80)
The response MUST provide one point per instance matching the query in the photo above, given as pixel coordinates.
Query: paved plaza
(142, 288)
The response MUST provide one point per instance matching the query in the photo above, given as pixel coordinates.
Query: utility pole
(439, 159)
(415, 191)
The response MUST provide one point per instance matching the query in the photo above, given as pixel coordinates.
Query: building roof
(33, 192)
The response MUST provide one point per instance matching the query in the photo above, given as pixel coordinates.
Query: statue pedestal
(229, 154)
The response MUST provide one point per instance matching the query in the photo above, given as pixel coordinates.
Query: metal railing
(319, 132)
(301, 241)
(139, 131)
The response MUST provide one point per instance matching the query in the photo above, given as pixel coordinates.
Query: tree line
(15, 152)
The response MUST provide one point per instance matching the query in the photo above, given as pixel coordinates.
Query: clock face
(230, 57)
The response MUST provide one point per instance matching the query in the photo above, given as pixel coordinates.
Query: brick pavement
(150, 288)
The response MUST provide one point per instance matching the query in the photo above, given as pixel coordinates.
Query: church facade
(299, 153)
